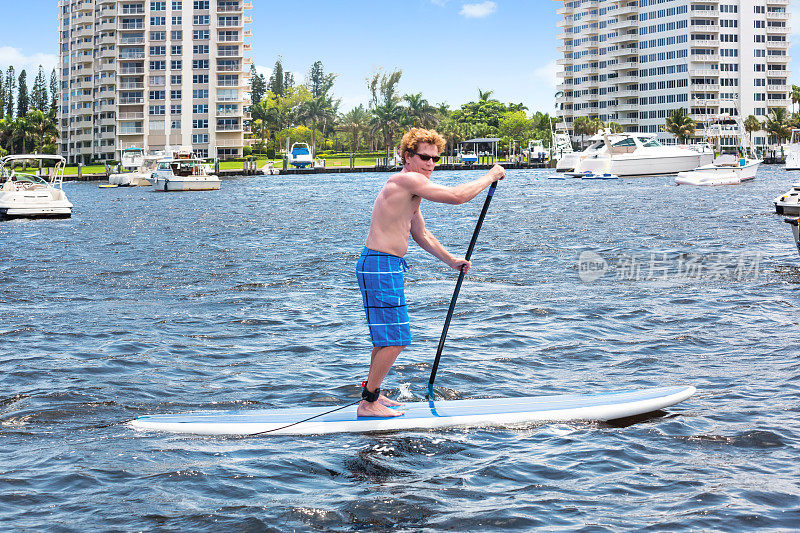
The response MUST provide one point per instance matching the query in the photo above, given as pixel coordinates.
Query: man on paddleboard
(396, 215)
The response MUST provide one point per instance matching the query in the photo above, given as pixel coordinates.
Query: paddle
(489, 195)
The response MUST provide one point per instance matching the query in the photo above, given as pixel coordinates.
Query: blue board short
(380, 278)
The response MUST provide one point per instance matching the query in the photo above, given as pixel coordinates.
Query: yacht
(141, 168)
(184, 171)
(631, 154)
(727, 169)
(562, 145)
(793, 151)
(300, 156)
(789, 203)
(26, 195)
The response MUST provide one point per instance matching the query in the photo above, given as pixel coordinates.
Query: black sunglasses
(426, 157)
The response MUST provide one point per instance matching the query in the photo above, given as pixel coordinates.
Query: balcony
(780, 30)
(130, 101)
(700, 58)
(131, 131)
(777, 15)
(130, 116)
(712, 87)
(704, 28)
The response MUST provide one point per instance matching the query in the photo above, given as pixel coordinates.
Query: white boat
(300, 156)
(143, 167)
(468, 158)
(26, 195)
(562, 145)
(536, 151)
(793, 151)
(632, 154)
(789, 203)
(727, 169)
(795, 230)
(183, 172)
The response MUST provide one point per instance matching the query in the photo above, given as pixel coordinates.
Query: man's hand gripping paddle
(489, 195)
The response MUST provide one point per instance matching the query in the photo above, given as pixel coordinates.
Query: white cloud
(548, 74)
(477, 11)
(16, 57)
(264, 71)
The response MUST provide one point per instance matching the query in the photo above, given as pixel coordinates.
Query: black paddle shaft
(492, 187)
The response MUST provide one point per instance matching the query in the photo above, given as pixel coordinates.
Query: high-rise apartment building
(632, 62)
(153, 74)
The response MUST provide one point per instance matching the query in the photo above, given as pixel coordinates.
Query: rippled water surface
(243, 298)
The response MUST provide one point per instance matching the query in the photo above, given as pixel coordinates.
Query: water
(245, 298)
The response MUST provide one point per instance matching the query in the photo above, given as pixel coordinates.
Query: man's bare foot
(376, 409)
(387, 402)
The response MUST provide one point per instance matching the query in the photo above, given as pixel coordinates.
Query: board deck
(420, 415)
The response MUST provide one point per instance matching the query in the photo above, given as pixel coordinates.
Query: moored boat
(789, 202)
(183, 172)
(793, 151)
(300, 156)
(27, 195)
(633, 154)
(727, 169)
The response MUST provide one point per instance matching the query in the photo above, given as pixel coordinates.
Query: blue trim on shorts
(381, 280)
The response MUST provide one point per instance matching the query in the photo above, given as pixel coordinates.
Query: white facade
(632, 62)
(153, 74)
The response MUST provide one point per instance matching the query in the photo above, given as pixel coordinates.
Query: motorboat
(632, 154)
(727, 169)
(300, 156)
(468, 158)
(536, 151)
(795, 230)
(27, 195)
(184, 171)
(793, 151)
(789, 203)
(142, 167)
(562, 145)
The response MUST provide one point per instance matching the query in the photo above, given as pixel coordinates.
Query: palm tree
(355, 122)
(582, 126)
(420, 112)
(6, 134)
(42, 129)
(751, 124)
(21, 134)
(614, 127)
(777, 124)
(680, 124)
(795, 95)
(483, 96)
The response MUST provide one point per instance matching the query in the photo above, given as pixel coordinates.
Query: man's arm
(431, 244)
(421, 186)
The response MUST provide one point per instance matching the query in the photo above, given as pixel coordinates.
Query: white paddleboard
(420, 415)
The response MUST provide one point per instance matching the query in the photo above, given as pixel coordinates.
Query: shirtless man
(396, 215)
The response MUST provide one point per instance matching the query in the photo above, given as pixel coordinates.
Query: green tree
(7, 134)
(42, 129)
(582, 126)
(39, 99)
(680, 125)
(420, 113)
(385, 106)
(21, 135)
(355, 122)
(280, 81)
(752, 124)
(54, 93)
(795, 95)
(777, 124)
(516, 125)
(614, 127)
(23, 97)
(258, 85)
(11, 88)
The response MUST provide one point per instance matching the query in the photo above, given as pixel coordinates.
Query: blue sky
(447, 49)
